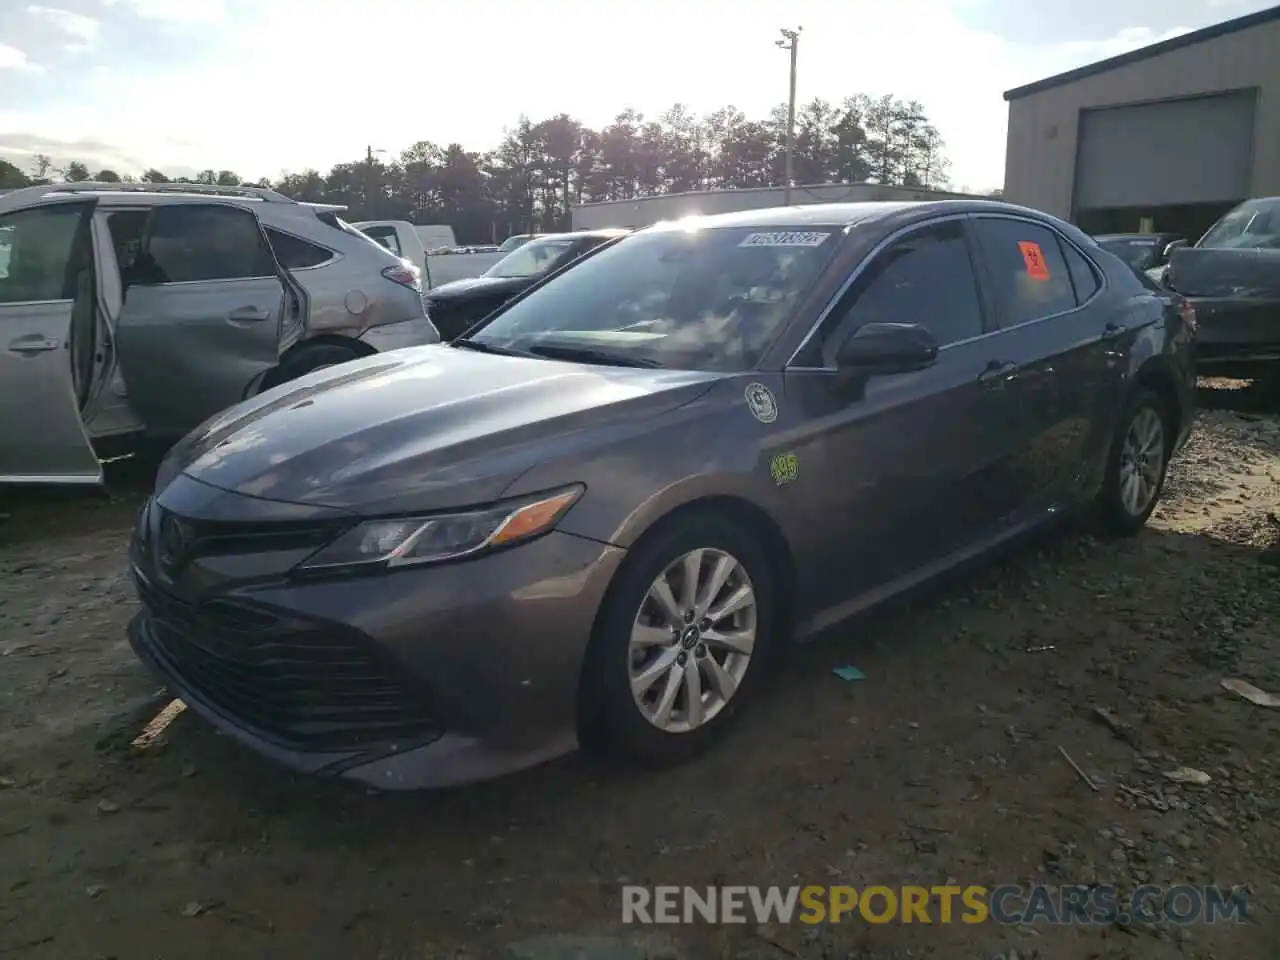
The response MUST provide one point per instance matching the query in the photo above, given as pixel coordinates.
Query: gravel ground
(943, 764)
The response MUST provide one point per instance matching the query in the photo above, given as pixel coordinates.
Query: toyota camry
(593, 519)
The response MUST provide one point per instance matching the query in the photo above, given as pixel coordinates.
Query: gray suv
(145, 309)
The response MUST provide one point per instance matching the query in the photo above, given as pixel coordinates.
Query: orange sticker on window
(1032, 256)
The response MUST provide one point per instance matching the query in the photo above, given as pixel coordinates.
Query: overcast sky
(265, 86)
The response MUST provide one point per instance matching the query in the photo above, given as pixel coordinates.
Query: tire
(613, 720)
(1120, 513)
(308, 360)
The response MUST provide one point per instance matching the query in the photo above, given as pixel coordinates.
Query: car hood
(418, 429)
(474, 286)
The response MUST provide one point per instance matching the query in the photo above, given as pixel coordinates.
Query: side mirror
(1168, 251)
(884, 348)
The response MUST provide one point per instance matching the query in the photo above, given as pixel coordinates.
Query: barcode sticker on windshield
(784, 240)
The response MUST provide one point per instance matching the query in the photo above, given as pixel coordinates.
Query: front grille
(205, 538)
(306, 686)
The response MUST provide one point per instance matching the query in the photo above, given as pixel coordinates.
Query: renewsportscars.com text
(1009, 904)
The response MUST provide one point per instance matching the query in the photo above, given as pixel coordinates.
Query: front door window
(35, 253)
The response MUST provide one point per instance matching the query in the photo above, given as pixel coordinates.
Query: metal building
(1166, 138)
(643, 211)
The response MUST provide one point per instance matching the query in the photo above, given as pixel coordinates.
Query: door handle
(30, 346)
(997, 374)
(249, 313)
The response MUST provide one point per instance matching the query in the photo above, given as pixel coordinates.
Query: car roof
(125, 193)
(1133, 236)
(846, 214)
(606, 232)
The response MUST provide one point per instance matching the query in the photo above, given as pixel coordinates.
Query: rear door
(44, 254)
(1056, 339)
(202, 314)
(912, 464)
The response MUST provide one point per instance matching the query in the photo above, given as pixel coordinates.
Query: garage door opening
(1188, 220)
(1178, 165)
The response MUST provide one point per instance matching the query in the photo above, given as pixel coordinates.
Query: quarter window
(36, 253)
(293, 253)
(925, 278)
(1029, 276)
(1083, 277)
(193, 242)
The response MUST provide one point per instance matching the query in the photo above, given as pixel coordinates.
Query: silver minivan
(131, 310)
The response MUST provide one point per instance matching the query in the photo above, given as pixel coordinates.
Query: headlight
(414, 540)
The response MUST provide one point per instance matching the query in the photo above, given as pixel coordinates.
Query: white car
(131, 310)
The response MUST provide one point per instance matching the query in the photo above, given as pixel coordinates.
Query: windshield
(337, 223)
(712, 299)
(1253, 224)
(1139, 254)
(384, 237)
(515, 243)
(531, 259)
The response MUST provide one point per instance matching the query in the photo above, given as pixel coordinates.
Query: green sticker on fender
(784, 468)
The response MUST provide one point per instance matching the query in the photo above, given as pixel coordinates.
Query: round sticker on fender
(761, 403)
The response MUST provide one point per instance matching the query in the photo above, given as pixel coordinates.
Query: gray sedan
(593, 520)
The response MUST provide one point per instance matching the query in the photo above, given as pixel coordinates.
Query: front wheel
(681, 642)
(1137, 464)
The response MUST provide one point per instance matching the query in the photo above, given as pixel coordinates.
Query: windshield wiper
(482, 347)
(589, 355)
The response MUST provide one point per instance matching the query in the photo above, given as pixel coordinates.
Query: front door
(903, 469)
(44, 253)
(201, 316)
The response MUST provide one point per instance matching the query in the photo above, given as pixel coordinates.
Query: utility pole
(370, 181)
(790, 41)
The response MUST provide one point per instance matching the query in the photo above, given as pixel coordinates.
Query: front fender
(694, 452)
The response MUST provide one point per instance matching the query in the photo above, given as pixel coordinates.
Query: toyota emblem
(172, 541)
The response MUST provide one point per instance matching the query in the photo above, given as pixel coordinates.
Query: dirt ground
(942, 765)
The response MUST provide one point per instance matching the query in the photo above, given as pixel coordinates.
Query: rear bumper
(1237, 337)
(418, 332)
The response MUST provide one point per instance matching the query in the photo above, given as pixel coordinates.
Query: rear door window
(1029, 276)
(189, 243)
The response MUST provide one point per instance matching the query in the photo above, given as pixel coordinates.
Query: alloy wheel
(1142, 460)
(692, 640)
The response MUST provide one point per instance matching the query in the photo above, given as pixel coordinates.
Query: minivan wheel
(1137, 465)
(680, 644)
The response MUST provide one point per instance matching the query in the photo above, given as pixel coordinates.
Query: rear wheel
(309, 360)
(681, 642)
(1137, 464)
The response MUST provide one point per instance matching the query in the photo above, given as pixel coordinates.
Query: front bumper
(418, 678)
